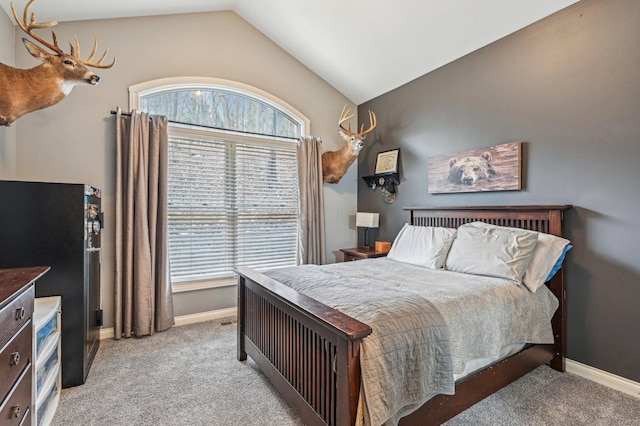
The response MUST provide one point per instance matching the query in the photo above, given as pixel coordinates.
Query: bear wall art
(495, 168)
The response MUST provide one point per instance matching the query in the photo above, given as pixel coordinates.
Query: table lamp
(367, 221)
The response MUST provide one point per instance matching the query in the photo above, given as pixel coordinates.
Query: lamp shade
(367, 220)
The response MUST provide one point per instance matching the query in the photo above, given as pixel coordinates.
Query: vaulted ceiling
(363, 48)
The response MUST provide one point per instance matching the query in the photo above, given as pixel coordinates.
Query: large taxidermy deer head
(23, 91)
(336, 163)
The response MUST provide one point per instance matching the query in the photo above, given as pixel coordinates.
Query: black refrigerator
(59, 225)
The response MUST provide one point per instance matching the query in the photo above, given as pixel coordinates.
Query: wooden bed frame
(311, 352)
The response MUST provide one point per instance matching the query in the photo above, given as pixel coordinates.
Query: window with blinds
(232, 181)
(230, 202)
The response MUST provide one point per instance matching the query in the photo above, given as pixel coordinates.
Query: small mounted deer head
(336, 163)
(23, 91)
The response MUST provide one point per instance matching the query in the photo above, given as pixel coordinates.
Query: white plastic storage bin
(47, 367)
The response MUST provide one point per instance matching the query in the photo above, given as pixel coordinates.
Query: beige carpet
(190, 376)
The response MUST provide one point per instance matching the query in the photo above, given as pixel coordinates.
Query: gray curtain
(143, 297)
(312, 238)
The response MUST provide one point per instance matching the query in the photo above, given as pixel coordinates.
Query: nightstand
(358, 253)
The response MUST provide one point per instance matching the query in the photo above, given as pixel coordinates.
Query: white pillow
(544, 257)
(422, 245)
(492, 251)
(547, 252)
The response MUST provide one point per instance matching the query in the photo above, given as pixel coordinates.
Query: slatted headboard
(547, 219)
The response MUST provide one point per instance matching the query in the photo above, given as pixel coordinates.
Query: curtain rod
(217, 128)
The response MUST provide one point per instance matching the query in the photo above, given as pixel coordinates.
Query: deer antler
(372, 125)
(76, 54)
(344, 116)
(29, 24)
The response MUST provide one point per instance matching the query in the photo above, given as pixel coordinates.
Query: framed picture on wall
(387, 161)
(494, 168)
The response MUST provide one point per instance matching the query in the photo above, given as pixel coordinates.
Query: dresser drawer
(17, 405)
(15, 314)
(14, 358)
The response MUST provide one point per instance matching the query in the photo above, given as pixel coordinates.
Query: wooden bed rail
(309, 351)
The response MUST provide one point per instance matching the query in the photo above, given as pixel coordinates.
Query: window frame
(136, 92)
(175, 83)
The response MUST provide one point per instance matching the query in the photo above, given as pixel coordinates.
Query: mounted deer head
(336, 163)
(23, 91)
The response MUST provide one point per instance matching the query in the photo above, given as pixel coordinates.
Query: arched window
(232, 177)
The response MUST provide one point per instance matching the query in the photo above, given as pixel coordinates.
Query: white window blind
(232, 201)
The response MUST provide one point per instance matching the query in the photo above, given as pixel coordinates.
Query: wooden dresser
(16, 344)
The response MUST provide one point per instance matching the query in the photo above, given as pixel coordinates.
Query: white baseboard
(206, 316)
(108, 333)
(599, 376)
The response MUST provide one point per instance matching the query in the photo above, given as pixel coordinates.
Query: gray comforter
(426, 325)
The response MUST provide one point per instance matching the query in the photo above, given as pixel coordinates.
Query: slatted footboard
(309, 351)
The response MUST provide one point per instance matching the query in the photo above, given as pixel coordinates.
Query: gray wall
(74, 141)
(568, 86)
(7, 134)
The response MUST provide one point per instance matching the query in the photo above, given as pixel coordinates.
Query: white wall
(7, 134)
(74, 141)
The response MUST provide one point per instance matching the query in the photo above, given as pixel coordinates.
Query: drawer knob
(19, 314)
(14, 358)
(16, 410)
